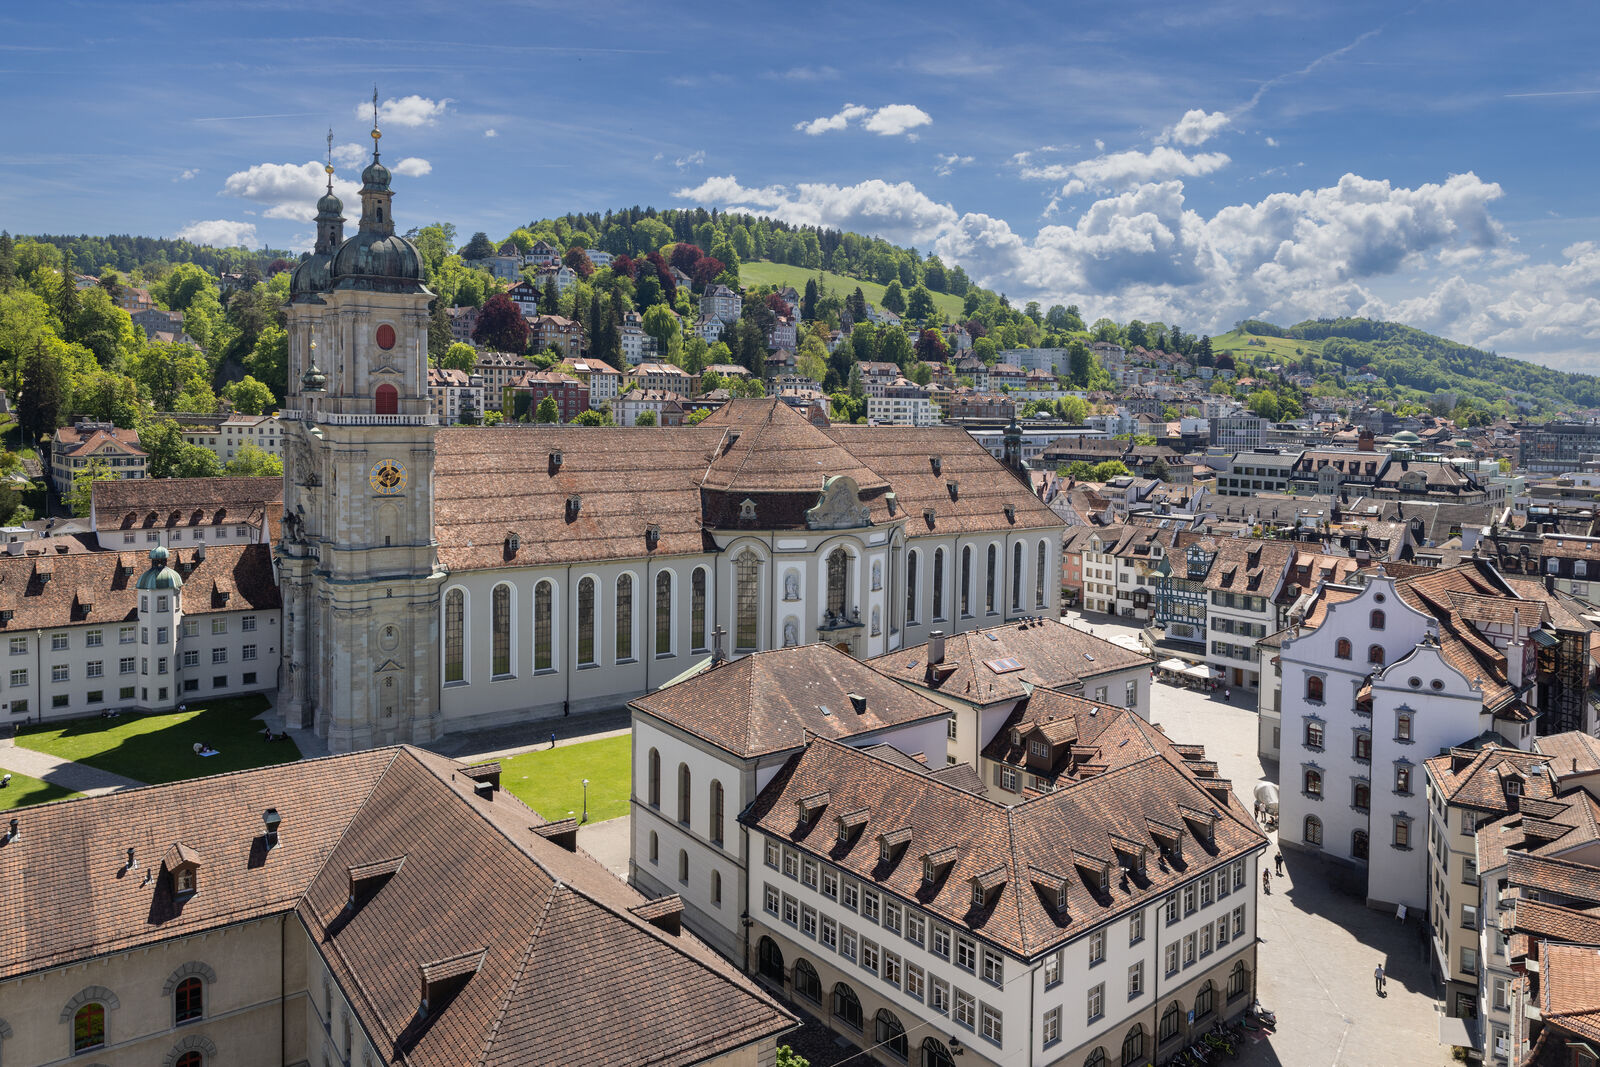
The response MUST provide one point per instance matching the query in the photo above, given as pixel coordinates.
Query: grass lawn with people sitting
(550, 780)
(22, 791)
(160, 748)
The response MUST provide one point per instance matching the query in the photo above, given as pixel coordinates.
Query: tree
(268, 361)
(920, 305)
(1073, 410)
(547, 411)
(171, 456)
(591, 417)
(788, 1057)
(930, 347)
(697, 416)
(1079, 362)
(480, 247)
(645, 418)
(685, 256)
(1263, 402)
(858, 388)
(40, 398)
(857, 306)
(707, 269)
(493, 418)
(811, 359)
(439, 336)
(253, 462)
(894, 298)
(808, 301)
(661, 324)
(578, 260)
(81, 496)
(501, 326)
(249, 396)
(459, 356)
(1111, 468)
(921, 373)
(180, 288)
(895, 347)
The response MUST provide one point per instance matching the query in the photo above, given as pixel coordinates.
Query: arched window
(1341, 648)
(664, 613)
(716, 812)
(1171, 1023)
(455, 663)
(770, 958)
(966, 581)
(847, 1006)
(655, 848)
(1038, 577)
(934, 1054)
(992, 572)
(683, 866)
(938, 583)
(747, 607)
(1375, 655)
(89, 1027)
(1313, 784)
(1313, 831)
(684, 785)
(388, 400)
(1238, 980)
(1096, 1058)
(586, 621)
(838, 581)
(1016, 576)
(500, 631)
(544, 656)
(1375, 620)
(192, 1058)
(1205, 1002)
(624, 617)
(188, 1001)
(1133, 1046)
(1314, 688)
(1358, 845)
(892, 1035)
(716, 888)
(655, 778)
(697, 608)
(911, 587)
(807, 984)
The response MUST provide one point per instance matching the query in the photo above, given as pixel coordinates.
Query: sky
(1193, 163)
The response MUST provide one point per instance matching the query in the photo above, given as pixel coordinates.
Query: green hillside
(1238, 343)
(762, 272)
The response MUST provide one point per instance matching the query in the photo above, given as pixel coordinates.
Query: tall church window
(586, 621)
(543, 637)
(664, 613)
(1016, 577)
(1038, 577)
(455, 664)
(966, 581)
(697, 608)
(938, 583)
(747, 590)
(387, 399)
(625, 617)
(838, 580)
(500, 630)
(911, 587)
(994, 566)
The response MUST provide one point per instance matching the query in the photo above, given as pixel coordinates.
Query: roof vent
(858, 702)
(483, 774)
(935, 647)
(555, 460)
(953, 487)
(574, 502)
(200, 552)
(271, 820)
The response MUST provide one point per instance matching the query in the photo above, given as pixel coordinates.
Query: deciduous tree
(501, 326)
(459, 356)
(547, 411)
(249, 396)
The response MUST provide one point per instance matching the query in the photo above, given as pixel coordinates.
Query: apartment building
(526, 392)
(604, 380)
(185, 512)
(1243, 586)
(86, 444)
(497, 370)
(901, 411)
(1257, 471)
(454, 396)
(662, 377)
(1100, 569)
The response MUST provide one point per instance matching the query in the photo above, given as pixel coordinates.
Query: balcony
(339, 418)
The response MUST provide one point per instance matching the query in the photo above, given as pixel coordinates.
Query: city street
(1319, 943)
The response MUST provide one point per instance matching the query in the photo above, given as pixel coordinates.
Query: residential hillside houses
(527, 391)
(88, 444)
(497, 370)
(454, 396)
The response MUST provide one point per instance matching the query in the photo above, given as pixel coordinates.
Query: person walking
(1378, 978)
(1278, 859)
(1266, 882)
(552, 739)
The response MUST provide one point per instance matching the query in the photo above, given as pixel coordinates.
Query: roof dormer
(812, 806)
(183, 865)
(936, 864)
(986, 886)
(892, 845)
(1051, 886)
(850, 825)
(367, 878)
(443, 979)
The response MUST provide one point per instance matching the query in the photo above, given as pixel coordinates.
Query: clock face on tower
(388, 477)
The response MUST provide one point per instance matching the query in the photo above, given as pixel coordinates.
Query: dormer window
(747, 509)
(1039, 749)
(183, 864)
(930, 873)
(1513, 787)
(978, 895)
(1016, 737)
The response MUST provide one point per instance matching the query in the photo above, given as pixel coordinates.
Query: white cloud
(885, 121)
(186, 175)
(1122, 169)
(410, 110)
(413, 167)
(1272, 142)
(491, 132)
(1099, 145)
(350, 155)
(948, 163)
(1195, 128)
(697, 158)
(288, 190)
(219, 233)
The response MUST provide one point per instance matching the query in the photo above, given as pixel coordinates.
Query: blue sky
(1194, 163)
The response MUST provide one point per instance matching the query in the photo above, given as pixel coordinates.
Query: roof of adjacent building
(73, 441)
(173, 503)
(1249, 565)
(769, 701)
(1569, 991)
(978, 666)
(466, 887)
(1085, 738)
(1478, 779)
(1019, 854)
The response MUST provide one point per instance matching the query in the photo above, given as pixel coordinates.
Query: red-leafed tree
(976, 329)
(685, 256)
(780, 307)
(931, 347)
(578, 260)
(706, 270)
(501, 326)
(624, 264)
(669, 284)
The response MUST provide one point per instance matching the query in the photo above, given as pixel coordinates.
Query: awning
(1456, 1032)
(1198, 671)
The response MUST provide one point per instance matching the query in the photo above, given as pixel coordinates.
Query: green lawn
(160, 748)
(780, 274)
(1278, 348)
(550, 780)
(24, 791)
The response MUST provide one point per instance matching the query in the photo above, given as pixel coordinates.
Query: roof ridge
(523, 960)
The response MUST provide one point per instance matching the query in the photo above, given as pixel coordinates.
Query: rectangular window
(125, 665)
(248, 653)
(869, 905)
(1205, 940)
(1469, 959)
(949, 727)
(966, 1009)
(967, 954)
(852, 895)
(19, 646)
(19, 677)
(58, 642)
(939, 996)
(891, 968)
(1097, 1001)
(190, 628)
(791, 863)
(771, 854)
(1172, 908)
(829, 935)
(1052, 970)
(830, 884)
(1188, 900)
(891, 916)
(60, 672)
(219, 626)
(847, 943)
(59, 701)
(1189, 943)
(1136, 980)
(771, 899)
(808, 873)
(1238, 921)
(125, 693)
(219, 655)
(93, 638)
(1224, 884)
(1238, 874)
(992, 1029)
(1205, 893)
(941, 942)
(125, 635)
(161, 635)
(96, 696)
(1097, 947)
(191, 657)
(915, 981)
(994, 967)
(1222, 931)
(808, 921)
(248, 623)
(94, 669)
(915, 926)
(791, 910)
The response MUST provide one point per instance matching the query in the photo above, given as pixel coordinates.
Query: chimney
(131, 863)
(14, 833)
(200, 552)
(271, 820)
(858, 702)
(935, 647)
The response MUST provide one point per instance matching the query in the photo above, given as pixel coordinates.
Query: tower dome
(160, 576)
(376, 258)
(312, 274)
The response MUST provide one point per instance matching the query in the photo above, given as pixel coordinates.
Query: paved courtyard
(1319, 942)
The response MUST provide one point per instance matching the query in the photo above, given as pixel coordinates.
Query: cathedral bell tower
(357, 557)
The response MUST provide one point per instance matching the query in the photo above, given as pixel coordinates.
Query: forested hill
(1409, 359)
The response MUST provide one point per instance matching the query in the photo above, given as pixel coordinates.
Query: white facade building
(901, 411)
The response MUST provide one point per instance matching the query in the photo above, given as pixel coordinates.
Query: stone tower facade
(357, 557)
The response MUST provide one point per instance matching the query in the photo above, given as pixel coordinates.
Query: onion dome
(377, 260)
(160, 576)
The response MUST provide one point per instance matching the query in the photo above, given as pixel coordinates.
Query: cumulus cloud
(186, 175)
(491, 132)
(410, 110)
(1272, 142)
(413, 167)
(219, 233)
(884, 121)
(948, 163)
(1195, 128)
(287, 190)
(1118, 170)
(697, 158)
(353, 154)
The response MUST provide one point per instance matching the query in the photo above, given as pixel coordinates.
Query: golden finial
(375, 133)
(328, 167)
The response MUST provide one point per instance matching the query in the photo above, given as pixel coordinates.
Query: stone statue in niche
(877, 574)
(791, 633)
(791, 586)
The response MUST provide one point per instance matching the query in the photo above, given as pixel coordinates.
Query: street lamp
(586, 800)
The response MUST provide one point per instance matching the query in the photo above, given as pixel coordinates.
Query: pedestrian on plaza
(1266, 883)
(552, 739)
(1278, 859)
(1378, 978)
(1227, 694)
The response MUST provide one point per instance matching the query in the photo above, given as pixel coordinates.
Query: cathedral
(436, 580)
